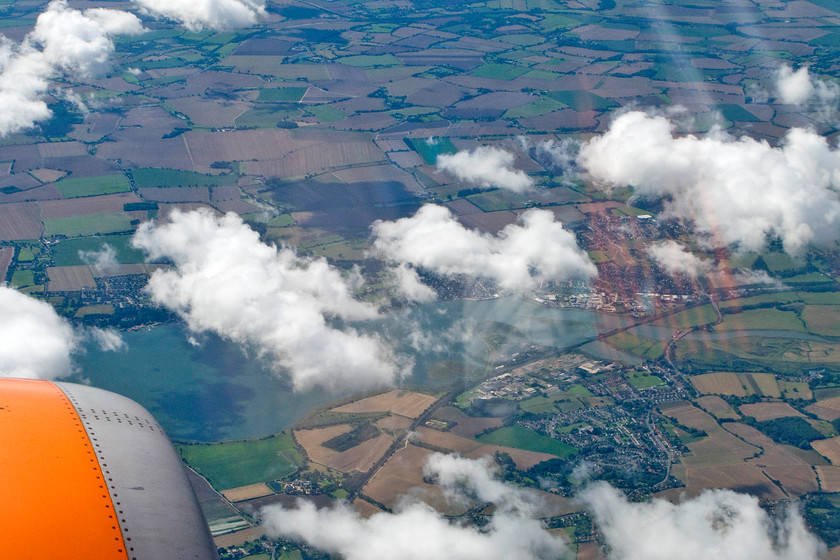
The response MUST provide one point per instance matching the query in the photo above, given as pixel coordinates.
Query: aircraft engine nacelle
(89, 474)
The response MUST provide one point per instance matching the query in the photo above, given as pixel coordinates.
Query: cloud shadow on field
(341, 206)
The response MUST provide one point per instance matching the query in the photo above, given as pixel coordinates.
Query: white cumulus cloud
(799, 87)
(226, 281)
(718, 524)
(104, 260)
(35, 343)
(733, 191)
(214, 14)
(63, 41)
(486, 167)
(417, 532)
(109, 340)
(520, 257)
(675, 259)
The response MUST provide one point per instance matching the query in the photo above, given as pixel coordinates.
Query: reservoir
(201, 387)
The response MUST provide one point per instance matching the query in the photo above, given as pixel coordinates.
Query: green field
(325, 113)
(637, 345)
(289, 94)
(499, 71)
(570, 428)
(538, 405)
(26, 253)
(523, 438)
(74, 187)
(771, 319)
(150, 177)
(66, 252)
(23, 279)
(501, 199)
(696, 316)
(430, 151)
(822, 319)
(580, 391)
(265, 118)
(776, 297)
(643, 379)
(90, 224)
(238, 463)
(736, 113)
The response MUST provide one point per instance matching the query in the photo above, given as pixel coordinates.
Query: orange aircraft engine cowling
(89, 474)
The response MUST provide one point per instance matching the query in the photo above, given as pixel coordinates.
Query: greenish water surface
(212, 389)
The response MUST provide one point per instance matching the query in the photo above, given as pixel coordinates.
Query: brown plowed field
(69, 278)
(20, 220)
(86, 205)
(403, 474)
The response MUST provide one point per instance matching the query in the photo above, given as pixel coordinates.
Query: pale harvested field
(717, 461)
(360, 458)
(769, 411)
(717, 407)
(766, 382)
(829, 478)
(720, 383)
(62, 149)
(212, 114)
(6, 255)
(239, 537)
(171, 153)
(475, 449)
(788, 465)
(317, 158)
(365, 508)
(20, 220)
(241, 145)
(403, 474)
(46, 175)
(749, 434)
(394, 423)
(404, 403)
(382, 173)
(741, 477)
(103, 204)
(69, 278)
(247, 492)
(826, 409)
(828, 448)
(719, 448)
(311, 439)
(822, 352)
(737, 384)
